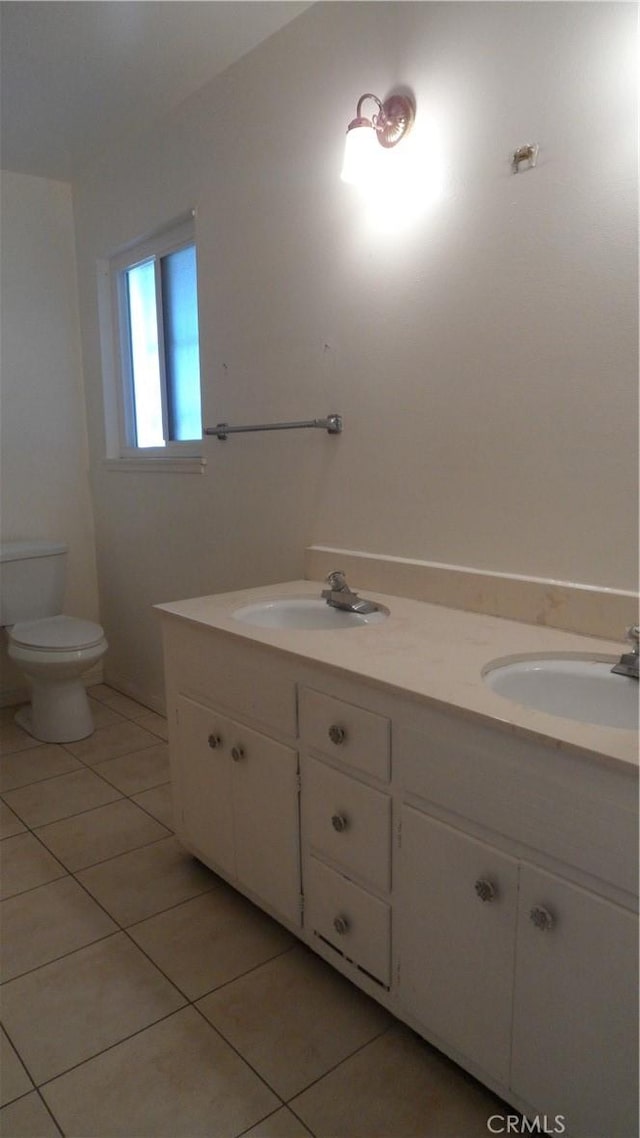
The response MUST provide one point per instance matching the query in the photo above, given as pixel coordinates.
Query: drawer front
(358, 738)
(349, 918)
(348, 822)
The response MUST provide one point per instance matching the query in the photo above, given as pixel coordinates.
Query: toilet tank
(32, 579)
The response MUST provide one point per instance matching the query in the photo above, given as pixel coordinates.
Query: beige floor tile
(397, 1087)
(60, 797)
(178, 1079)
(14, 738)
(293, 1019)
(103, 715)
(210, 940)
(28, 1118)
(153, 722)
(100, 692)
(139, 770)
(46, 923)
(282, 1124)
(121, 703)
(83, 1003)
(26, 864)
(34, 765)
(15, 1080)
(109, 742)
(139, 884)
(9, 823)
(100, 834)
(158, 802)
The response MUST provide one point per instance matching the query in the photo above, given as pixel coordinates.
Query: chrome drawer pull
(339, 822)
(237, 753)
(214, 741)
(485, 889)
(542, 918)
(341, 925)
(337, 734)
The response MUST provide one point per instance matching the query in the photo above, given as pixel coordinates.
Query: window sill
(171, 464)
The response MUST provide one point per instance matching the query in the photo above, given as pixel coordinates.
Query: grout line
(50, 1112)
(110, 1047)
(63, 955)
(244, 1059)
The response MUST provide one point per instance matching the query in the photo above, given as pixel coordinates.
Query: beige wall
(481, 348)
(45, 481)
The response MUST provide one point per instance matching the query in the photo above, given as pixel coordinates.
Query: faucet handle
(633, 634)
(337, 581)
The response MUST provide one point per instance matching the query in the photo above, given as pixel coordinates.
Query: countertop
(432, 653)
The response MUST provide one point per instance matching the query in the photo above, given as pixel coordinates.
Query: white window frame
(122, 453)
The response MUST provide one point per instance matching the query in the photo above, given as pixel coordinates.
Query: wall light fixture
(387, 127)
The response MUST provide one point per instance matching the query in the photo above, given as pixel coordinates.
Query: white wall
(483, 352)
(45, 481)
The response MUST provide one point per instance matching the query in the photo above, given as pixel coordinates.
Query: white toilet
(52, 650)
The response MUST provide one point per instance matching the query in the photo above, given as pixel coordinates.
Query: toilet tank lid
(21, 550)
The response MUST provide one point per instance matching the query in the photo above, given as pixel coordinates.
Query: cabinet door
(575, 1045)
(201, 772)
(456, 932)
(266, 819)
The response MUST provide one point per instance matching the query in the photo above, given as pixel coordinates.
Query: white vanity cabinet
(575, 1028)
(238, 793)
(456, 925)
(526, 973)
(487, 942)
(480, 883)
(346, 830)
(235, 786)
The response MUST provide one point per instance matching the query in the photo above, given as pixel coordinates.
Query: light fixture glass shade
(361, 153)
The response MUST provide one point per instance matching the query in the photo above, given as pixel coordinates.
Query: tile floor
(143, 997)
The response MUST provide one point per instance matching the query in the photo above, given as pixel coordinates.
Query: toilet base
(58, 712)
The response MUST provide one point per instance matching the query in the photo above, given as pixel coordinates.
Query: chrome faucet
(628, 663)
(340, 596)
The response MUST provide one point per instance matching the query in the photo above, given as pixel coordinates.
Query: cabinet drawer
(350, 919)
(347, 822)
(358, 738)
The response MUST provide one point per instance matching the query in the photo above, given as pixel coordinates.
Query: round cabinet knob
(215, 741)
(339, 822)
(542, 918)
(341, 925)
(485, 889)
(337, 734)
(237, 753)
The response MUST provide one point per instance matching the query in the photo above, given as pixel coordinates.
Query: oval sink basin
(305, 613)
(584, 690)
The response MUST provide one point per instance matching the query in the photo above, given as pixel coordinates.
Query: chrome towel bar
(332, 424)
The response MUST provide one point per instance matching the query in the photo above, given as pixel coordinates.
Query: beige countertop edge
(432, 654)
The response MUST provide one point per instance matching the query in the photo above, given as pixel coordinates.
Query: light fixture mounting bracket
(392, 121)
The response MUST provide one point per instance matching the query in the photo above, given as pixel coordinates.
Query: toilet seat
(56, 634)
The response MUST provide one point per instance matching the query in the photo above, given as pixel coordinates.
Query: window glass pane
(182, 356)
(145, 363)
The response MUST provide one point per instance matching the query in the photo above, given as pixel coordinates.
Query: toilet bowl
(54, 654)
(53, 651)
